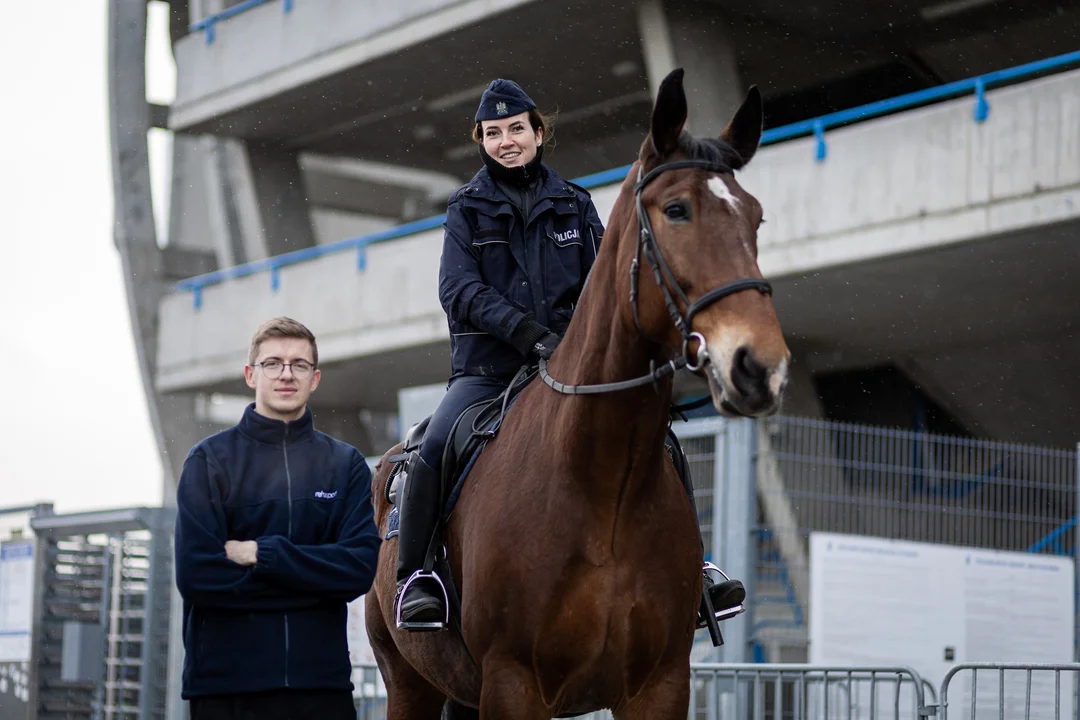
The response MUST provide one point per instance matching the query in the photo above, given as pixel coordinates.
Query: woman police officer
(519, 243)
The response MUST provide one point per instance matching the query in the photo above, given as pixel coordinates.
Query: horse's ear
(743, 133)
(669, 114)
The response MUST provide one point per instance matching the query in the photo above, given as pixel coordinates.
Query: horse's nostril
(747, 374)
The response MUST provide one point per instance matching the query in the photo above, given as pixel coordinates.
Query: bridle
(673, 292)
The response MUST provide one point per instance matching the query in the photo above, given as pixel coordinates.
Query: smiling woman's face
(511, 141)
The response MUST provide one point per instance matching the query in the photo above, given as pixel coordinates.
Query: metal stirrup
(421, 575)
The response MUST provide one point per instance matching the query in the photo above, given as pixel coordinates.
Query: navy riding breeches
(464, 391)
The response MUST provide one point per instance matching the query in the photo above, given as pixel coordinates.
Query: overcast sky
(76, 431)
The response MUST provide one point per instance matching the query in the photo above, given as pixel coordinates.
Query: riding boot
(727, 594)
(421, 598)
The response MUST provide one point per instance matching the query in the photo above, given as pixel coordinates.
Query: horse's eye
(760, 223)
(677, 211)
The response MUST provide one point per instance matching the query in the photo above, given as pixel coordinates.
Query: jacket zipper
(288, 534)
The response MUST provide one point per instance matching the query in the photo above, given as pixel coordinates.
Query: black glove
(533, 340)
(545, 346)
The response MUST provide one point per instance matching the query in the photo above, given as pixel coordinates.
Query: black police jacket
(498, 269)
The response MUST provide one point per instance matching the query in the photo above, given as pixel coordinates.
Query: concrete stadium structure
(927, 256)
(923, 258)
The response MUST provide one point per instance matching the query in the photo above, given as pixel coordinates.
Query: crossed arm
(271, 573)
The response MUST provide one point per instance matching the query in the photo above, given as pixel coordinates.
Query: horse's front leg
(509, 692)
(667, 698)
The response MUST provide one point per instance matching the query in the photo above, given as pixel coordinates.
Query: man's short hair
(281, 327)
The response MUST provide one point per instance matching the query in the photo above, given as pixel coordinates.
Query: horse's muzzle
(741, 385)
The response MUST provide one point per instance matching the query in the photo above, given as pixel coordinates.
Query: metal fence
(824, 476)
(918, 486)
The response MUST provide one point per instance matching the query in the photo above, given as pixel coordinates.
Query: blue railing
(771, 565)
(816, 127)
(208, 22)
(1061, 541)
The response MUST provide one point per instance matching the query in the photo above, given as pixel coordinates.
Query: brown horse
(573, 544)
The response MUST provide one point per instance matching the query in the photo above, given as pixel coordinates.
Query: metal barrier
(815, 126)
(802, 692)
(1033, 690)
(760, 692)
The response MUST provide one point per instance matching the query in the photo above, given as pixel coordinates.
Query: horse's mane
(712, 150)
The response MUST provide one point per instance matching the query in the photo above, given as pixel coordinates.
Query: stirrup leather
(730, 612)
(403, 625)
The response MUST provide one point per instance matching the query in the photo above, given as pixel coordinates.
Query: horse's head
(699, 238)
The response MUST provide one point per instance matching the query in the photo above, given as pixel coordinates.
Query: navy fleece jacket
(306, 499)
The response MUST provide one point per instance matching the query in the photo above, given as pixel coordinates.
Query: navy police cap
(503, 98)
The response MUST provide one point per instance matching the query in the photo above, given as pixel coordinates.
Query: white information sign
(887, 603)
(16, 599)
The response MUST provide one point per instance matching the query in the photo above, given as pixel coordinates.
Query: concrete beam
(315, 41)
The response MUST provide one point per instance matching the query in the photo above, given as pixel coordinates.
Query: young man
(274, 535)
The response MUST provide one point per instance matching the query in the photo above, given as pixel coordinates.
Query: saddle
(470, 433)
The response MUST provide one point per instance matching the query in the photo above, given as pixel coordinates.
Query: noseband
(665, 279)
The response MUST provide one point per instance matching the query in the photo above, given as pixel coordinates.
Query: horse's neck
(615, 440)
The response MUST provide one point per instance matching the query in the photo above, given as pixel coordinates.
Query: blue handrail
(208, 22)
(815, 126)
(1054, 538)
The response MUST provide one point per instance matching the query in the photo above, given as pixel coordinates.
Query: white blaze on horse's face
(720, 189)
(748, 360)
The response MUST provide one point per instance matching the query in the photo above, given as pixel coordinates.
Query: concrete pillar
(696, 37)
(144, 263)
(256, 199)
(190, 225)
(222, 215)
(281, 200)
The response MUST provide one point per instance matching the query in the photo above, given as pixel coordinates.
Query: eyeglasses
(301, 369)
